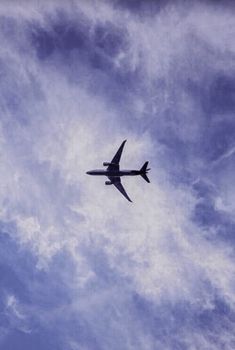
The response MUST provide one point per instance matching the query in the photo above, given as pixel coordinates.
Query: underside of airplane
(114, 173)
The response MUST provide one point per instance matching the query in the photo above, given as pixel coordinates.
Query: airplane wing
(116, 159)
(116, 181)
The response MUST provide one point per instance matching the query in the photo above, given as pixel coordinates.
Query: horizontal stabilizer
(144, 167)
(144, 176)
(143, 172)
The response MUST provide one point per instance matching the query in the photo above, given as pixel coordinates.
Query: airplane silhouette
(114, 173)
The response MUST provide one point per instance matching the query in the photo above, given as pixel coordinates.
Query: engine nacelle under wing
(108, 183)
(107, 164)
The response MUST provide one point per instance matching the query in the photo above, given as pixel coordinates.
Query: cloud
(15, 315)
(76, 81)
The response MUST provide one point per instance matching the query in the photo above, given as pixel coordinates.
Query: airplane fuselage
(112, 173)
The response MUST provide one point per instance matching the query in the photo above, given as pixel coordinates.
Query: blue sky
(82, 268)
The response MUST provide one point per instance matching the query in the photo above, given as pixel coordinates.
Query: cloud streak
(77, 79)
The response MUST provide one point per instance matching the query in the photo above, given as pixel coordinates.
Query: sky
(81, 268)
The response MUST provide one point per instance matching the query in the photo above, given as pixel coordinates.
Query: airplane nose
(88, 172)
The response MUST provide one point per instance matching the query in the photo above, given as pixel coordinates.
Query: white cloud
(76, 130)
(16, 315)
(56, 206)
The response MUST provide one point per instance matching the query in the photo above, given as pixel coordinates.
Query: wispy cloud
(15, 314)
(77, 79)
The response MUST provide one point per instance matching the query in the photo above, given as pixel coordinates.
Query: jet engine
(108, 182)
(107, 164)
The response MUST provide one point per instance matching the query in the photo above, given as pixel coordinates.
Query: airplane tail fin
(143, 172)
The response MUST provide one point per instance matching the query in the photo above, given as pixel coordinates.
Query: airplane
(114, 173)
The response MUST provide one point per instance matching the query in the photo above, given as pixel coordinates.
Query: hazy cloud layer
(81, 268)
